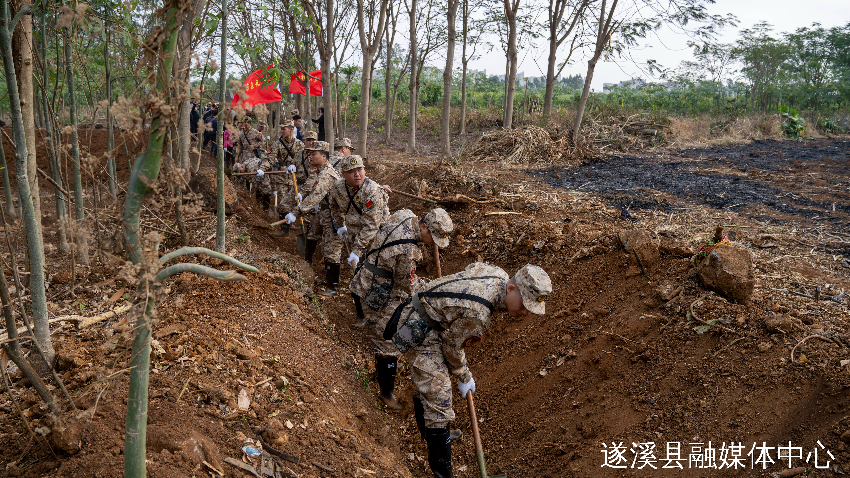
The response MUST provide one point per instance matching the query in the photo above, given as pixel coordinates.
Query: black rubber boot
(361, 317)
(386, 371)
(332, 277)
(311, 249)
(439, 451)
(419, 413)
(283, 232)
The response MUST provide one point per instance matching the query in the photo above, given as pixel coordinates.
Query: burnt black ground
(770, 179)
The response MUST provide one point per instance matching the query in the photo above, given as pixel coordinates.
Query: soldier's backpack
(379, 294)
(415, 329)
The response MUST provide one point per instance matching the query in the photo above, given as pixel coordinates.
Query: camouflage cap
(535, 286)
(287, 124)
(351, 162)
(294, 111)
(343, 143)
(311, 135)
(320, 146)
(440, 225)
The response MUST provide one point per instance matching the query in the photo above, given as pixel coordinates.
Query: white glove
(291, 168)
(298, 197)
(268, 138)
(316, 208)
(290, 218)
(353, 259)
(342, 231)
(260, 173)
(466, 387)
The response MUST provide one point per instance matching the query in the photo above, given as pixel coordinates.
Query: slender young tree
(561, 25)
(413, 85)
(52, 149)
(22, 46)
(445, 133)
(79, 209)
(110, 133)
(36, 283)
(371, 33)
(511, 10)
(219, 231)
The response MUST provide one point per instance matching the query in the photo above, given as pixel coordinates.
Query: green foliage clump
(827, 126)
(793, 126)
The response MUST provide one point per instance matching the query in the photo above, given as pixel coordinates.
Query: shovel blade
(301, 244)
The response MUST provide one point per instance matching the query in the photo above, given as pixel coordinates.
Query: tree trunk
(365, 101)
(79, 210)
(219, 136)
(142, 179)
(110, 134)
(327, 85)
(510, 80)
(37, 291)
(445, 134)
(585, 92)
(22, 50)
(413, 87)
(550, 78)
(465, 61)
(388, 130)
(7, 189)
(53, 152)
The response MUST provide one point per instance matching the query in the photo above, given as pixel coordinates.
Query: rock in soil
(729, 271)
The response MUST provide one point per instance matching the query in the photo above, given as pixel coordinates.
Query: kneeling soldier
(324, 177)
(436, 324)
(387, 276)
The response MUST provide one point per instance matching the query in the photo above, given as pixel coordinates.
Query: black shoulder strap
(392, 325)
(351, 200)
(386, 245)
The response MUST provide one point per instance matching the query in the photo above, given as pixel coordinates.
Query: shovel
(301, 239)
(479, 450)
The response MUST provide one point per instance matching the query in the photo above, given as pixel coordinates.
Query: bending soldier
(437, 323)
(387, 276)
(317, 200)
(342, 148)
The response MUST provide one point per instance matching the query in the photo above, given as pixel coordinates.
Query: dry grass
(529, 144)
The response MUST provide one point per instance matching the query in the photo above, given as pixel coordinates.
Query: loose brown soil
(618, 358)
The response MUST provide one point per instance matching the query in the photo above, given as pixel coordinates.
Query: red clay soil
(619, 358)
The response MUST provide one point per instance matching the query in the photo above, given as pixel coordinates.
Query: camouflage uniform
(401, 260)
(284, 153)
(362, 210)
(249, 141)
(323, 179)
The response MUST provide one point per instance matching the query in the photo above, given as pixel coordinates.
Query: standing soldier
(342, 148)
(249, 142)
(437, 323)
(359, 207)
(286, 152)
(387, 276)
(324, 177)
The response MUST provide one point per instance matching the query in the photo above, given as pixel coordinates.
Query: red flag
(297, 87)
(255, 93)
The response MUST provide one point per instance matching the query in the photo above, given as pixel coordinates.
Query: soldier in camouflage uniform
(438, 322)
(342, 148)
(285, 153)
(387, 277)
(360, 204)
(324, 176)
(249, 140)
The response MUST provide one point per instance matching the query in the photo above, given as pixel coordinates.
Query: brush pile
(625, 133)
(529, 145)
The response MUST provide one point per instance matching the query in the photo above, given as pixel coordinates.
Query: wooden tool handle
(300, 217)
(474, 420)
(415, 196)
(437, 260)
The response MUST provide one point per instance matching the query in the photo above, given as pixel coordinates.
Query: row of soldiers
(431, 322)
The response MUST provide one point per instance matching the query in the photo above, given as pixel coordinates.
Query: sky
(669, 48)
